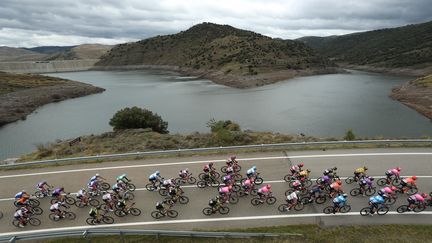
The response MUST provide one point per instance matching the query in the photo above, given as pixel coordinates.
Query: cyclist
(252, 172)
(83, 196)
(168, 183)
(375, 202)
(56, 209)
(416, 199)
(117, 187)
(315, 191)
(97, 177)
(339, 202)
(297, 186)
(123, 179)
(43, 187)
(387, 192)
(21, 215)
(184, 174)
(109, 199)
(215, 203)
(295, 169)
(336, 187)
(360, 173)
(325, 181)
(22, 197)
(227, 180)
(231, 161)
(408, 183)
(393, 174)
(366, 183)
(292, 199)
(95, 213)
(230, 170)
(264, 192)
(303, 174)
(155, 177)
(224, 192)
(208, 168)
(163, 206)
(248, 185)
(331, 172)
(57, 193)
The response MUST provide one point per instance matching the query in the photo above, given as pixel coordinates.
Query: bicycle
(358, 190)
(170, 213)
(64, 214)
(411, 190)
(256, 179)
(66, 198)
(33, 210)
(32, 202)
(382, 210)
(213, 173)
(417, 208)
(180, 198)
(212, 210)
(105, 219)
(352, 179)
(320, 199)
(390, 200)
(252, 191)
(285, 207)
(152, 186)
(332, 209)
(129, 210)
(30, 220)
(210, 181)
(39, 194)
(129, 186)
(386, 181)
(269, 199)
(187, 179)
(91, 201)
(236, 167)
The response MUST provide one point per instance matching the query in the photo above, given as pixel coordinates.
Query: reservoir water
(324, 105)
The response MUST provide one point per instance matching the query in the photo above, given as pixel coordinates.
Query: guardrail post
(13, 239)
(121, 237)
(86, 236)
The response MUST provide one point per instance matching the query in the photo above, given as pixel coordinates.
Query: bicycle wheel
(108, 219)
(34, 222)
(254, 192)
(150, 187)
(318, 180)
(283, 208)
(355, 192)
(287, 192)
(39, 194)
(70, 215)
(90, 221)
(201, 176)
(382, 210)
(299, 206)
(328, 210)
(402, 209)
(207, 211)
(105, 186)
(172, 213)
(242, 193)
(233, 199)
(255, 201)
(15, 222)
(271, 200)
(287, 178)
(390, 200)
(216, 175)
(183, 200)
(215, 183)
(305, 200)
(365, 211)
(163, 192)
(34, 210)
(370, 191)
(119, 213)
(236, 188)
(396, 182)
(129, 196)
(135, 211)
(382, 182)
(237, 177)
(94, 202)
(80, 204)
(201, 184)
(70, 200)
(192, 180)
(307, 183)
(34, 202)
(412, 191)
(259, 181)
(224, 169)
(321, 199)
(345, 209)
(419, 208)
(224, 210)
(131, 187)
(156, 214)
(53, 217)
(349, 180)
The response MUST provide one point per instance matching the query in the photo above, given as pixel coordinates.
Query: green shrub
(229, 125)
(349, 136)
(135, 117)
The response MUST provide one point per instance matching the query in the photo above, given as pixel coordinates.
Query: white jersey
(107, 197)
(19, 213)
(55, 206)
(292, 196)
(81, 193)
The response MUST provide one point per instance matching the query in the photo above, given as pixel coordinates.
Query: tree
(135, 117)
(349, 136)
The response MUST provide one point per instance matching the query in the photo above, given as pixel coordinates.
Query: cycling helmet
(398, 168)
(62, 188)
(335, 168)
(371, 178)
(414, 177)
(97, 174)
(424, 195)
(23, 191)
(365, 168)
(254, 167)
(393, 188)
(187, 169)
(268, 186)
(233, 157)
(344, 195)
(300, 165)
(339, 182)
(157, 172)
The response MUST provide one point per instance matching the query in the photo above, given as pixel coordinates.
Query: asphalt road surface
(271, 165)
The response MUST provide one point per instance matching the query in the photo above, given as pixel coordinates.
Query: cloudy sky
(29, 23)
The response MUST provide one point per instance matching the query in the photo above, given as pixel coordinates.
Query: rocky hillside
(222, 53)
(86, 51)
(10, 54)
(401, 49)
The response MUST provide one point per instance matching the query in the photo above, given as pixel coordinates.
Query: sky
(29, 23)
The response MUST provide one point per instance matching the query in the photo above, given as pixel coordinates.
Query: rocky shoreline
(17, 105)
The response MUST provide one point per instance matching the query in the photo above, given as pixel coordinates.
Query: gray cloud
(65, 22)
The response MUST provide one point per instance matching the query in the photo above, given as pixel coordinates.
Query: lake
(323, 105)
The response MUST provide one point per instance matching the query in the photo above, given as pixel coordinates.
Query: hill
(406, 49)
(10, 54)
(222, 53)
(49, 49)
(85, 51)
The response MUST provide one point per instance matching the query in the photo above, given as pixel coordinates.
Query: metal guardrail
(86, 234)
(260, 146)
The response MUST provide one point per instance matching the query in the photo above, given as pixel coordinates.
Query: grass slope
(13, 82)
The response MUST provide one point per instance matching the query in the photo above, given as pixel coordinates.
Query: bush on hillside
(229, 125)
(349, 136)
(135, 117)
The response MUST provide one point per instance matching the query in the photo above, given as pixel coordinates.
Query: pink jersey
(387, 190)
(417, 197)
(395, 172)
(264, 189)
(224, 189)
(247, 182)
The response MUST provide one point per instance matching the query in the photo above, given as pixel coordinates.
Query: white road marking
(186, 221)
(208, 161)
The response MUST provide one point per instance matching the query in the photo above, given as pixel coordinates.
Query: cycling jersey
(264, 190)
(376, 199)
(360, 170)
(81, 193)
(251, 171)
(336, 186)
(292, 196)
(55, 206)
(19, 195)
(394, 172)
(183, 173)
(294, 169)
(57, 191)
(168, 182)
(41, 184)
(94, 178)
(224, 189)
(304, 173)
(106, 197)
(153, 177)
(325, 179)
(366, 181)
(19, 213)
(339, 201)
(417, 198)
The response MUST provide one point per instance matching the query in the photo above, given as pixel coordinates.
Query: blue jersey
(340, 200)
(153, 176)
(93, 178)
(376, 199)
(250, 171)
(19, 195)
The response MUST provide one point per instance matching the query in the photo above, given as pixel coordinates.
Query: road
(271, 165)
